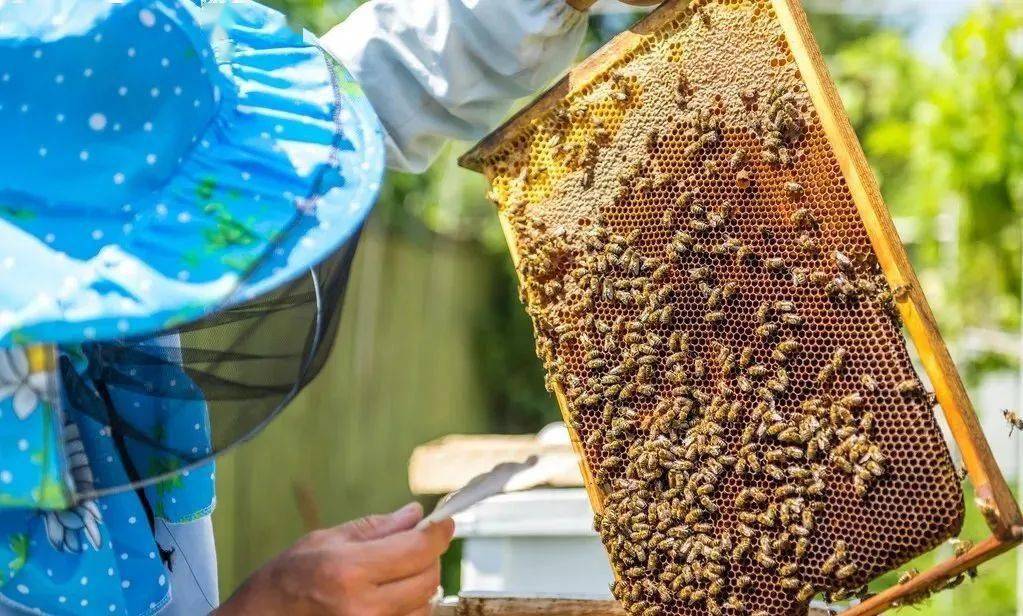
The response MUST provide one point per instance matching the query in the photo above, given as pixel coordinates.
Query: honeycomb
(708, 306)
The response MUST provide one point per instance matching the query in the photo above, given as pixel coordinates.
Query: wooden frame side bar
(592, 491)
(982, 552)
(987, 478)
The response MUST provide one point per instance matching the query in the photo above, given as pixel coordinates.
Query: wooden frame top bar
(576, 79)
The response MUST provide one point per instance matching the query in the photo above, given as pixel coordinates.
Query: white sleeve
(450, 69)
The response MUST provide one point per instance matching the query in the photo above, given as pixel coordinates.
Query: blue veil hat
(163, 161)
(181, 190)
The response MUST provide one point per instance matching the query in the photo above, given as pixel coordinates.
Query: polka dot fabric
(164, 160)
(65, 554)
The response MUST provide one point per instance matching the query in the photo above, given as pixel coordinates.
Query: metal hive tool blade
(698, 175)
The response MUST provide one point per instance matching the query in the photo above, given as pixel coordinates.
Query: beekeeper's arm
(450, 69)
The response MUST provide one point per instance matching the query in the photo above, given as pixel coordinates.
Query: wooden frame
(494, 604)
(993, 495)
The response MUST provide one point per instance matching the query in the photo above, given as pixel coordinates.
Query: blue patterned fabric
(162, 160)
(99, 555)
(31, 452)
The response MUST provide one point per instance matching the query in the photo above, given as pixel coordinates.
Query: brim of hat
(283, 177)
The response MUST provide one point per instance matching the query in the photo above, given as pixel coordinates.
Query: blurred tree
(944, 137)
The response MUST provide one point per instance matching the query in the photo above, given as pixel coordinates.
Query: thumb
(381, 525)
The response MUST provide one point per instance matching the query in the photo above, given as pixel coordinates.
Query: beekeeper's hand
(376, 566)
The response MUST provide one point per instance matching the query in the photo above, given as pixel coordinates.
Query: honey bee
(776, 264)
(807, 244)
(744, 255)
(791, 318)
(1014, 420)
(844, 263)
(819, 278)
(909, 387)
(845, 571)
(799, 275)
(738, 159)
(784, 349)
(961, 546)
(908, 575)
(757, 371)
(867, 421)
(699, 273)
(802, 545)
(987, 509)
(836, 558)
(794, 189)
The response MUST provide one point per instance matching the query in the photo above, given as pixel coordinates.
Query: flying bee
(1014, 420)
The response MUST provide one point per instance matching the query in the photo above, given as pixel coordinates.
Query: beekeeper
(161, 161)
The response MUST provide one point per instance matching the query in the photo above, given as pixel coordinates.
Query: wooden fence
(402, 373)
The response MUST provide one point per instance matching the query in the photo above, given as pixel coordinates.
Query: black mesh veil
(239, 367)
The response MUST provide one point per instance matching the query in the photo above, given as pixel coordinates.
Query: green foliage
(18, 546)
(944, 137)
(317, 16)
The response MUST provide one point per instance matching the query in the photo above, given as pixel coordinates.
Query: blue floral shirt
(62, 554)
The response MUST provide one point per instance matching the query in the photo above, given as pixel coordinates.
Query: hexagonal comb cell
(709, 308)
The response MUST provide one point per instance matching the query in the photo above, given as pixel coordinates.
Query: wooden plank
(511, 606)
(987, 478)
(447, 464)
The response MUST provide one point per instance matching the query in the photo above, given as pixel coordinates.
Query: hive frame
(993, 496)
